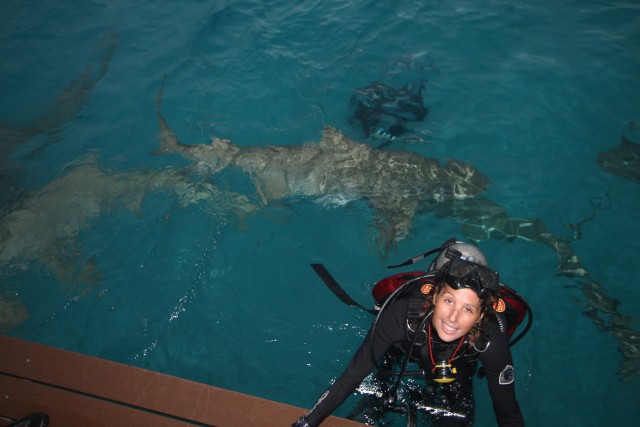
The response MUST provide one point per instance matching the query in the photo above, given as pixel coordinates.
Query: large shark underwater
(399, 185)
(396, 183)
(44, 226)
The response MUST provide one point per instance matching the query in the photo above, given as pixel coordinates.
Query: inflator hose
(501, 320)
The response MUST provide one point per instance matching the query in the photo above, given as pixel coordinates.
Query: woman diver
(445, 321)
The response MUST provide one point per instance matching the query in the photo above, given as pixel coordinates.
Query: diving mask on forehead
(461, 273)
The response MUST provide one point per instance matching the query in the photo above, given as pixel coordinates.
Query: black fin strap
(333, 285)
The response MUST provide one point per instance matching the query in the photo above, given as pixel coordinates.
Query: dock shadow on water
(398, 185)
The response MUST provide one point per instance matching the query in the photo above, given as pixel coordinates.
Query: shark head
(467, 181)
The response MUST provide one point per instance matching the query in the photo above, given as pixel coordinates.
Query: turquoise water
(528, 93)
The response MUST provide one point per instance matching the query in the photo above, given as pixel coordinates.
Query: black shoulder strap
(331, 283)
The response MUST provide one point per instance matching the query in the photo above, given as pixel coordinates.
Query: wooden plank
(65, 408)
(137, 387)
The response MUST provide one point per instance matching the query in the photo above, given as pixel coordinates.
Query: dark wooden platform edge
(79, 390)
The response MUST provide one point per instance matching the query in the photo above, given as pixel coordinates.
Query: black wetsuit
(391, 329)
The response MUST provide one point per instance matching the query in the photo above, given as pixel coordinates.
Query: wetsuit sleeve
(498, 365)
(390, 329)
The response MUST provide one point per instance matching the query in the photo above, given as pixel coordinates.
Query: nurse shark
(395, 183)
(399, 185)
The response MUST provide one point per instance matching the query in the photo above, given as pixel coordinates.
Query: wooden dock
(78, 390)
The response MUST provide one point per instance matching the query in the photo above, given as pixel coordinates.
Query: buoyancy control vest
(418, 286)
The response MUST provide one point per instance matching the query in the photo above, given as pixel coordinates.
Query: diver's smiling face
(455, 312)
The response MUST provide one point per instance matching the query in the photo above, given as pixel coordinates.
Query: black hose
(522, 333)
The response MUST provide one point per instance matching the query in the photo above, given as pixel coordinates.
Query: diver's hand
(301, 422)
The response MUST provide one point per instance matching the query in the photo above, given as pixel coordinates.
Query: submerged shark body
(44, 226)
(623, 160)
(396, 183)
